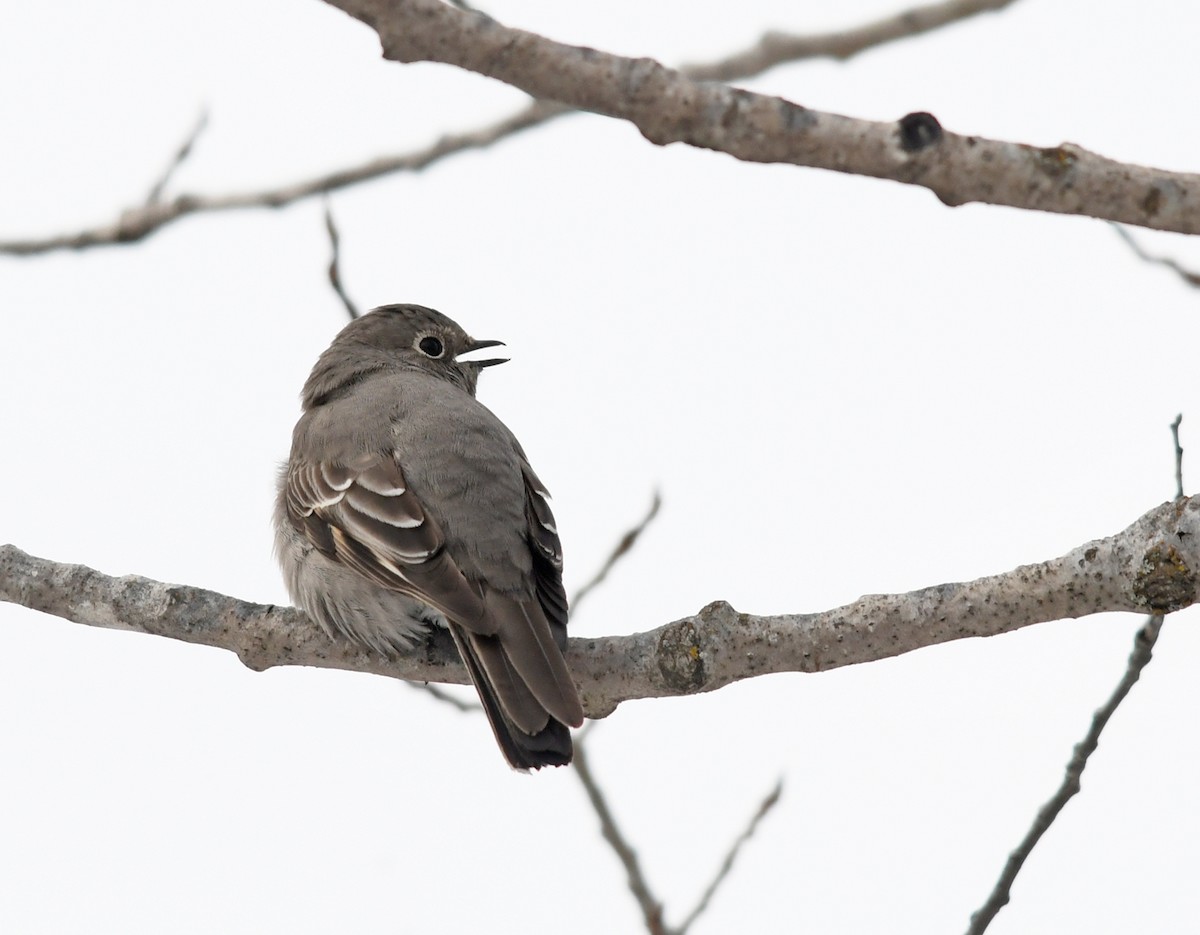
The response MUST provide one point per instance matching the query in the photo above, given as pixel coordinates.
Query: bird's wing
(546, 548)
(363, 515)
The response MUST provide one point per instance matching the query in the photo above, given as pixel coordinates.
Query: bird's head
(395, 337)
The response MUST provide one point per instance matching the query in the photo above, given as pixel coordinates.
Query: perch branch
(1149, 567)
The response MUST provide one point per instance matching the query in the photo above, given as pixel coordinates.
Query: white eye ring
(430, 345)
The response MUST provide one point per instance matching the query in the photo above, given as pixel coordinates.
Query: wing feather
(363, 515)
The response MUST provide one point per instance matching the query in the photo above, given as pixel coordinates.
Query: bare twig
(624, 544)
(141, 221)
(652, 911)
(668, 106)
(650, 904)
(335, 273)
(181, 155)
(1142, 650)
(1148, 567)
(1188, 276)
(764, 807)
(445, 697)
(778, 48)
(1178, 457)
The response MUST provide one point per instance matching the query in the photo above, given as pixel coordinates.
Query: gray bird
(405, 502)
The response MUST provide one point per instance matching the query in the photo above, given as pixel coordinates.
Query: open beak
(478, 346)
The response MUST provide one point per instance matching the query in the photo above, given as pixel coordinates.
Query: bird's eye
(431, 346)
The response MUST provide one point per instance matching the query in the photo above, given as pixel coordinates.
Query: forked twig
(651, 905)
(1139, 658)
(1187, 275)
(1142, 649)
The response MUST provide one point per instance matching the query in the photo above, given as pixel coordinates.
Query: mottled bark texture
(668, 106)
(1149, 568)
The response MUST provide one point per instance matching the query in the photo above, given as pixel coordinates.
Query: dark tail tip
(548, 747)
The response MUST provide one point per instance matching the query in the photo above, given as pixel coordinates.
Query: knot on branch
(1057, 161)
(1165, 582)
(687, 651)
(919, 131)
(680, 657)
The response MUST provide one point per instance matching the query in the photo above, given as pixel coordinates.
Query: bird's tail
(528, 735)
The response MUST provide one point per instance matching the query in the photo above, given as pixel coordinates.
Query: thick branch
(667, 106)
(771, 50)
(1151, 567)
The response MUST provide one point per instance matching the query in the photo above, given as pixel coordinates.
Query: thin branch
(180, 157)
(445, 697)
(778, 48)
(1148, 567)
(1142, 650)
(652, 910)
(639, 886)
(621, 549)
(1178, 457)
(1188, 276)
(667, 106)
(335, 273)
(764, 808)
(141, 221)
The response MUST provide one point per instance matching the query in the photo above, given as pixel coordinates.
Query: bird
(405, 503)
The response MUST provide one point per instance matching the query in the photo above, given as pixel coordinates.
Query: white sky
(840, 386)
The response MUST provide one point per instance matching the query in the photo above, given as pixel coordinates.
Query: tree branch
(667, 106)
(1189, 277)
(777, 48)
(177, 160)
(141, 221)
(764, 809)
(1139, 658)
(1149, 567)
(620, 550)
(335, 267)
(652, 910)
(771, 50)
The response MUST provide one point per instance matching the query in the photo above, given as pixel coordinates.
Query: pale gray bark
(1149, 567)
(668, 106)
